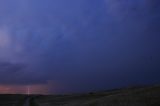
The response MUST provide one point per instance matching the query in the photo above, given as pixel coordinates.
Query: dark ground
(12, 100)
(134, 96)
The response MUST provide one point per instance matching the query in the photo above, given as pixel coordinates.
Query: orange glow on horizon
(23, 89)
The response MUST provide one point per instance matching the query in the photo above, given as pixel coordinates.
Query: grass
(21, 101)
(139, 96)
(143, 96)
(11, 100)
(32, 102)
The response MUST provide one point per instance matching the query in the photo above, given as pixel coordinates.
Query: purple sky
(80, 45)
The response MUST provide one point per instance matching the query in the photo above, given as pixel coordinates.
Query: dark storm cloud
(94, 44)
(10, 70)
(7, 66)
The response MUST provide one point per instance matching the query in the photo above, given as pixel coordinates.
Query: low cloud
(79, 43)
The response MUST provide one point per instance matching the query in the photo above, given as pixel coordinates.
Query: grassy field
(11, 100)
(143, 96)
(135, 96)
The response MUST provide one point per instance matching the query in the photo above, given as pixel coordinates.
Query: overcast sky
(80, 45)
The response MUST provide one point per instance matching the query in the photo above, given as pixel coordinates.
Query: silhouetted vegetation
(11, 100)
(132, 96)
(32, 102)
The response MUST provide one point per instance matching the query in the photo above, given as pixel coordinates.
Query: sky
(66, 46)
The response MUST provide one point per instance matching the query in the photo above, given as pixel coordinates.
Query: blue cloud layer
(97, 44)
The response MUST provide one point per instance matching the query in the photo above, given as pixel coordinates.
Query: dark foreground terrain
(12, 100)
(137, 96)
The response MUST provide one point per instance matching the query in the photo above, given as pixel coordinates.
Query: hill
(135, 96)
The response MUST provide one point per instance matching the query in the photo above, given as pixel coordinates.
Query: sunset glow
(23, 89)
